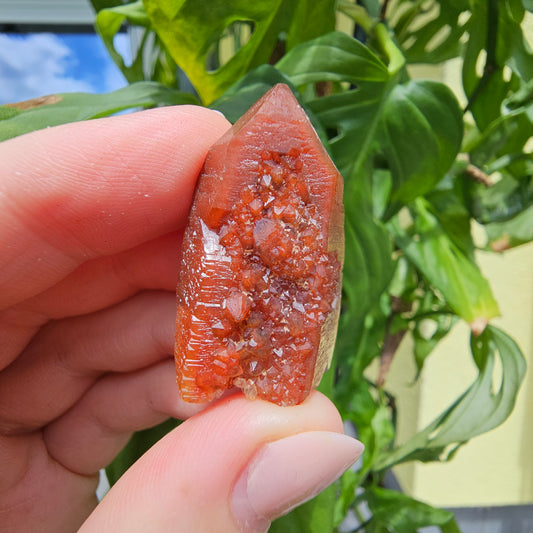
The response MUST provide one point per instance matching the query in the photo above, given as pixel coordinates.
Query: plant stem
(478, 175)
(277, 53)
(390, 346)
(323, 88)
(474, 172)
(383, 10)
(392, 340)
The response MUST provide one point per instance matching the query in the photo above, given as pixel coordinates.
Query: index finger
(88, 189)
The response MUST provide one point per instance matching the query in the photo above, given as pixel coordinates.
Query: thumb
(234, 467)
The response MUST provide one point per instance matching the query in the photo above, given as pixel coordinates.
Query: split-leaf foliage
(420, 170)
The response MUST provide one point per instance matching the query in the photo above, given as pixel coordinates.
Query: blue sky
(36, 64)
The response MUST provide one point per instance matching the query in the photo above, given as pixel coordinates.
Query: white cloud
(35, 65)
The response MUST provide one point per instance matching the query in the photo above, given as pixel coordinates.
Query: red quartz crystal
(260, 278)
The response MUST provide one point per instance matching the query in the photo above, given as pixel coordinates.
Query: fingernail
(219, 112)
(286, 473)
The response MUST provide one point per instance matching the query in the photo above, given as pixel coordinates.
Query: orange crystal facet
(259, 285)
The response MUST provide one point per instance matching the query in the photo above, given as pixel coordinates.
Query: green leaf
(428, 332)
(240, 97)
(368, 269)
(358, 344)
(447, 204)
(495, 26)
(512, 34)
(310, 19)
(431, 35)
(332, 57)
(104, 4)
(482, 407)
(447, 268)
(151, 61)
(514, 232)
(372, 6)
(420, 133)
(500, 202)
(399, 513)
(349, 483)
(417, 126)
(505, 135)
(109, 22)
(352, 117)
(314, 516)
(368, 266)
(140, 442)
(338, 57)
(7, 111)
(377, 436)
(73, 107)
(486, 406)
(189, 28)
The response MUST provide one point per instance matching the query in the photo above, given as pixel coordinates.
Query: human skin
(91, 216)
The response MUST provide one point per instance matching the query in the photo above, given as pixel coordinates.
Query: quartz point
(260, 274)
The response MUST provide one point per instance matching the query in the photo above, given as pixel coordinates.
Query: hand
(91, 216)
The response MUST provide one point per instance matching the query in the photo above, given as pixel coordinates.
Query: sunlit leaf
(449, 270)
(150, 60)
(73, 107)
(189, 28)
